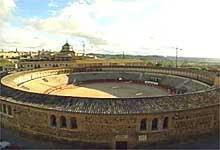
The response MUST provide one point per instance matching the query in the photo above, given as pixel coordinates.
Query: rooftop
(114, 106)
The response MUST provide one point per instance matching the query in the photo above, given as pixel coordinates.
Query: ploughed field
(58, 85)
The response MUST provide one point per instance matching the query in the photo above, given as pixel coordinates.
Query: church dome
(67, 44)
(66, 47)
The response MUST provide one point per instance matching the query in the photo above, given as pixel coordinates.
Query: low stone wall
(169, 81)
(25, 76)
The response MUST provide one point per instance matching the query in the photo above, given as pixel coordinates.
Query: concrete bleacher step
(141, 76)
(183, 83)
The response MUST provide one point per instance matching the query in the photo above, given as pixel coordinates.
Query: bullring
(127, 121)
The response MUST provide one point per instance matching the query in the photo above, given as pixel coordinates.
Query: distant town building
(16, 54)
(46, 59)
(66, 53)
(9, 54)
(29, 65)
(217, 79)
(42, 59)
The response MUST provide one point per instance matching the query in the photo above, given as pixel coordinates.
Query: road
(15, 137)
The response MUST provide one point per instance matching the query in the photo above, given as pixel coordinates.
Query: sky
(139, 27)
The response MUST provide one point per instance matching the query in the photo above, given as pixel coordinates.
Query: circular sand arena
(108, 84)
(110, 90)
(63, 86)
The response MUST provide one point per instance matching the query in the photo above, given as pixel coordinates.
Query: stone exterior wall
(111, 128)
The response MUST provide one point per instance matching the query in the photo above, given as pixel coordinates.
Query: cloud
(143, 26)
(78, 19)
(94, 40)
(6, 9)
(83, 18)
(52, 4)
(27, 38)
(73, 20)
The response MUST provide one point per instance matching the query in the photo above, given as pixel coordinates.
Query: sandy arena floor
(109, 90)
(58, 85)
